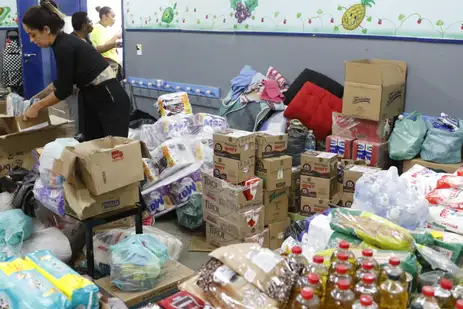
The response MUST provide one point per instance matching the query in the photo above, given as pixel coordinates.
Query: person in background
(82, 26)
(105, 42)
(105, 104)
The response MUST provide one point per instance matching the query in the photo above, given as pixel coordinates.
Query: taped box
(270, 145)
(276, 172)
(319, 164)
(320, 188)
(235, 144)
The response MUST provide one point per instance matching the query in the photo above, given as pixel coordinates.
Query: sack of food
(265, 269)
(174, 103)
(449, 197)
(446, 218)
(373, 229)
(224, 288)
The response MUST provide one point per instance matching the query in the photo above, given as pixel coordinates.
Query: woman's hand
(32, 112)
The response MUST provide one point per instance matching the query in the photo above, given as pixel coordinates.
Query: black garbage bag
(295, 229)
(24, 196)
(139, 118)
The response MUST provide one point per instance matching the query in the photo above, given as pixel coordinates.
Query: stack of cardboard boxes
(295, 191)
(275, 168)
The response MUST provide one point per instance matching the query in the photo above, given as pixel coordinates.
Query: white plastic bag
(50, 153)
(203, 149)
(445, 218)
(6, 201)
(387, 195)
(422, 179)
(52, 239)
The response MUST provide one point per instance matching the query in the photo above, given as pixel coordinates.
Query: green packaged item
(407, 137)
(448, 244)
(190, 215)
(373, 229)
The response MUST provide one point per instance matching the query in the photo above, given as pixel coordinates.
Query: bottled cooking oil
(367, 286)
(343, 246)
(307, 300)
(367, 268)
(312, 281)
(443, 294)
(459, 304)
(367, 255)
(427, 299)
(394, 268)
(365, 302)
(343, 259)
(339, 274)
(318, 267)
(342, 297)
(297, 262)
(393, 295)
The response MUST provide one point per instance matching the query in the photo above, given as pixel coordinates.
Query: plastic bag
(439, 261)
(6, 201)
(407, 137)
(421, 179)
(136, 263)
(203, 149)
(51, 198)
(446, 218)
(373, 229)
(387, 195)
(208, 123)
(190, 215)
(80, 290)
(296, 140)
(15, 227)
(174, 103)
(450, 197)
(50, 238)
(49, 154)
(442, 146)
(450, 181)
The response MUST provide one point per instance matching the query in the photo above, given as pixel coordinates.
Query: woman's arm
(35, 108)
(44, 93)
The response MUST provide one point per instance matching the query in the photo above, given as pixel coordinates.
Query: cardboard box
(11, 161)
(374, 154)
(276, 172)
(9, 125)
(235, 198)
(356, 128)
(320, 188)
(448, 168)
(295, 179)
(374, 89)
(172, 274)
(276, 205)
(342, 146)
(252, 222)
(319, 164)
(270, 145)
(104, 165)
(217, 237)
(352, 174)
(347, 200)
(222, 210)
(233, 171)
(310, 206)
(277, 233)
(235, 144)
(81, 204)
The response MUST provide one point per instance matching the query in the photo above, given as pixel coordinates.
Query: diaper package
(22, 286)
(210, 123)
(174, 103)
(51, 198)
(81, 291)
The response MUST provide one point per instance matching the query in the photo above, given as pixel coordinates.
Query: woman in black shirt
(106, 105)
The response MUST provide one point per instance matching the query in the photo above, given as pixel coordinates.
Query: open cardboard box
(9, 125)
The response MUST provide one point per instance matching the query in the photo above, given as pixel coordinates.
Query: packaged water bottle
(367, 286)
(367, 255)
(339, 274)
(307, 300)
(367, 268)
(297, 262)
(310, 141)
(342, 297)
(443, 294)
(343, 246)
(393, 268)
(392, 293)
(459, 304)
(312, 281)
(343, 259)
(427, 299)
(365, 302)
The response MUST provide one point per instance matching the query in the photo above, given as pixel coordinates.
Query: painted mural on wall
(393, 18)
(8, 14)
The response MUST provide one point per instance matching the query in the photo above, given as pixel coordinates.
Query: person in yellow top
(104, 41)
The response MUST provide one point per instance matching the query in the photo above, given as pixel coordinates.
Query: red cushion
(313, 106)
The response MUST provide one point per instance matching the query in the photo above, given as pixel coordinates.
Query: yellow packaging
(174, 103)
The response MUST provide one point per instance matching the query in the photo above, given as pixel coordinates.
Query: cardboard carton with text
(276, 205)
(270, 145)
(276, 172)
(235, 144)
(320, 188)
(310, 206)
(217, 237)
(353, 173)
(277, 233)
(233, 171)
(319, 164)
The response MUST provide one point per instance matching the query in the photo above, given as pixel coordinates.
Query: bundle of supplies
(15, 227)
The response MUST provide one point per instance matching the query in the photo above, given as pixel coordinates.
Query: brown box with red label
(342, 146)
(276, 172)
(319, 164)
(374, 154)
(320, 188)
(235, 144)
(234, 171)
(270, 145)
(310, 206)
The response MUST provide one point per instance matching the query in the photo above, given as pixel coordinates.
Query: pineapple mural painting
(354, 15)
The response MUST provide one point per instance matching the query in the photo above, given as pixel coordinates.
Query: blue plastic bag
(408, 136)
(136, 263)
(441, 145)
(15, 227)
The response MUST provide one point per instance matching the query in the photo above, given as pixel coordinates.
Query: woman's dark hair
(45, 14)
(79, 19)
(105, 10)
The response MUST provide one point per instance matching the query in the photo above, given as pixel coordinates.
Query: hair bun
(98, 9)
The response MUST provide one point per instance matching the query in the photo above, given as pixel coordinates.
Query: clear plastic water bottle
(310, 141)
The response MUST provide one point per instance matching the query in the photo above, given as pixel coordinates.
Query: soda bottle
(393, 295)
(310, 142)
(393, 268)
(343, 246)
(367, 255)
(307, 300)
(427, 299)
(367, 286)
(459, 304)
(297, 262)
(343, 259)
(443, 294)
(341, 297)
(365, 302)
(367, 268)
(339, 274)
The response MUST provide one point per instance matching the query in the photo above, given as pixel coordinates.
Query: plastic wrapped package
(15, 227)
(374, 131)
(446, 218)
(191, 286)
(50, 197)
(181, 299)
(224, 288)
(81, 291)
(441, 145)
(136, 263)
(407, 137)
(265, 269)
(134, 134)
(373, 229)
(203, 149)
(439, 261)
(387, 195)
(6, 201)
(49, 154)
(422, 179)
(22, 286)
(450, 181)
(173, 104)
(449, 197)
(448, 244)
(190, 215)
(52, 239)
(208, 123)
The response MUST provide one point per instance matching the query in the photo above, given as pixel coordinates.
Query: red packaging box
(354, 128)
(374, 154)
(342, 146)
